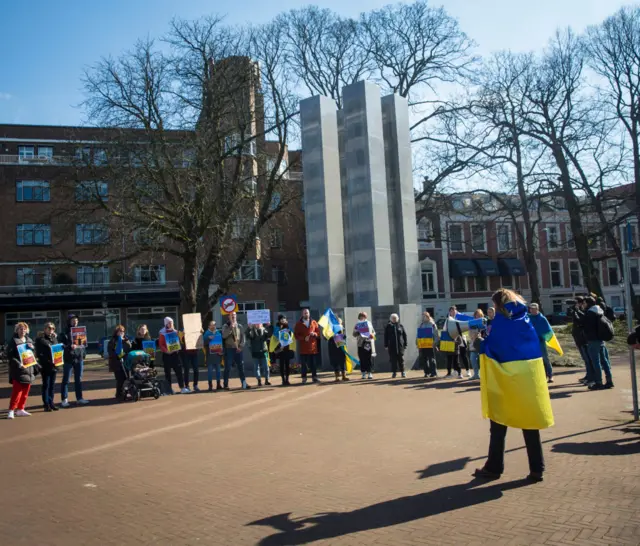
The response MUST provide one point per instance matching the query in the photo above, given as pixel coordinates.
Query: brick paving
(381, 462)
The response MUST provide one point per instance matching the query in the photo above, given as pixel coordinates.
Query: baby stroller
(141, 378)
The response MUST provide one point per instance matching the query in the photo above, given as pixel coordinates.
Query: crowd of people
(463, 353)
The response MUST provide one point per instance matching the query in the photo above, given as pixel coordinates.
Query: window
(481, 284)
(506, 281)
(428, 273)
(555, 266)
(33, 234)
(504, 237)
(91, 234)
(635, 272)
(250, 270)
(575, 275)
(568, 236)
(614, 274)
(251, 185)
(92, 190)
(83, 155)
(553, 237)
(25, 153)
(232, 144)
(459, 284)
(93, 276)
(150, 274)
(478, 240)
(45, 152)
(276, 238)
(99, 157)
(278, 275)
(28, 276)
(455, 238)
(557, 306)
(33, 190)
(243, 307)
(275, 201)
(425, 233)
(634, 236)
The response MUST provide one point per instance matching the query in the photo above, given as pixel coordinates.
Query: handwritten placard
(259, 316)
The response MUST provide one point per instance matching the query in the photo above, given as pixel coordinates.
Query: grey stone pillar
(323, 203)
(402, 209)
(370, 275)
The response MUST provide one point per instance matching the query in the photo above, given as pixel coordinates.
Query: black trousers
(172, 362)
(120, 379)
(495, 461)
(452, 361)
(463, 359)
(428, 361)
(397, 362)
(285, 368)
(365, 358)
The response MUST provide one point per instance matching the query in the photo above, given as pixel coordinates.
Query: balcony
(21, 291)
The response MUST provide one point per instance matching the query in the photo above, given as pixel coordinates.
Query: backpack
(605, 329)
(608, 312)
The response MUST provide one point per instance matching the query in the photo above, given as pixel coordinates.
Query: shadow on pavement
(384, 514)
(620, 446)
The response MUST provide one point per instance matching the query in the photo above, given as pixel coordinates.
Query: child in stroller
(141, 378)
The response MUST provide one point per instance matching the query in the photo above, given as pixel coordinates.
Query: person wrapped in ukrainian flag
(513, 385)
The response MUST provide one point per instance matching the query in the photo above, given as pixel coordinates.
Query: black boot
(259, 382)
(53, 407)
(210, 386)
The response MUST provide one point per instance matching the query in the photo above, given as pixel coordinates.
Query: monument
(362, 241)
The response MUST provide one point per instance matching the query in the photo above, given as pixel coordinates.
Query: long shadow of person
(384, 514)
(622, 446)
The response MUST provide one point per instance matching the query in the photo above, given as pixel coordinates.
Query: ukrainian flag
(544, 330)
(282, 335)
(330, 327)
(447, 344)
(513, 383)
(425, 337)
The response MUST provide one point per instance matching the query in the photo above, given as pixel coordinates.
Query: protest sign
(363, 329)
(57, 353)
(192, 331)
(228, 304)
(26, 355)
(259, 316)
(285, 337)
(425, 337)
(173, 342)
(215, 345)
(149, 347)
(79, 335)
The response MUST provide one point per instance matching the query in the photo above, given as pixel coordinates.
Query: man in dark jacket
(73, 361)
(47, 367)
(395, 342)
(259, 338)
(576, 313)
(596, 347)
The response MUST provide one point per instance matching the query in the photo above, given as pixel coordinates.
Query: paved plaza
(363, 463)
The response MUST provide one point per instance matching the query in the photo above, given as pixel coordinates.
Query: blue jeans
(78, 367)
(213, 361)
(233, 356)
(475, 363)
(48, 388)
(261, 366)
(190, 360)
(599, 356)
(545, 359)
(584, 353)
(309, 362)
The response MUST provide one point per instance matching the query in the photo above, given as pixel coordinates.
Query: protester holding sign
(189, 362)
(258, 337)
(337, 356)
(213, 347)
(427, 341)
(44, 354)
(119, 346)
(23, 369)
(365, 335)
(282, 350)
(307, 333)
(74, 354)
(143, 342)
(233, 336)
(169, 343)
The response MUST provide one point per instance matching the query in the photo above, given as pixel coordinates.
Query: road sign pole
(629, 312)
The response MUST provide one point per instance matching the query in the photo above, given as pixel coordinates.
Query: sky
(45, 46)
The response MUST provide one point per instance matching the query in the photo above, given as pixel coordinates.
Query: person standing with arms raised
(307, 333)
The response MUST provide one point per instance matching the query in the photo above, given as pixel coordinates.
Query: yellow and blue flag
(447, 344)
(330, 327)
(545, 332)
(513, 382)
(425, 337)
(283, 337)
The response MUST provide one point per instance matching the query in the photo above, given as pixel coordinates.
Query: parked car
(619, 312)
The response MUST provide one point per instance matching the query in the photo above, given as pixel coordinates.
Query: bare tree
(186, 159)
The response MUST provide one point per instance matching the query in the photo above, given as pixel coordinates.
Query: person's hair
(491, 309)
(140, 327)
(534, 306)
(394, 315)
(119, 327)
(49, 325)
(503, 296)
(453, 307)
(362, 315)
(24, 325)
(590, 301)
(479, 312)
(579, 299)
(427, 314)
(211, 322)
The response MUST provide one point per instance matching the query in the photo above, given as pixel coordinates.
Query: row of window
(91, 276)
(504, 237)
(31, 191)
(40, 234)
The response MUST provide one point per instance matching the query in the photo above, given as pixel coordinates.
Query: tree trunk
(188, 286)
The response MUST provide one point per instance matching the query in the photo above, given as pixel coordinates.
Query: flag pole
(629, 313)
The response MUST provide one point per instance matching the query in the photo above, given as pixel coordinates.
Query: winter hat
(167, 320)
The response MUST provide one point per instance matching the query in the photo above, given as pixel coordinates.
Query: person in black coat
(142, 334)
(20, 377)
(118, 348)
(337, 356)
(74, 356)
(395, 342)
(47, 368)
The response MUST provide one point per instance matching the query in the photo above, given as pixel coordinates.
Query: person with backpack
(598, 330)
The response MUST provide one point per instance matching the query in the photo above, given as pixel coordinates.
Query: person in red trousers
(20, 377)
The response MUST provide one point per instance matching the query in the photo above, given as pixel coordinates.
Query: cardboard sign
(285, 337)
(260, 316)
(173, 342)
(215, 345)
(192, 331)
(228, 304)
(79, 335)
(26, 355)
(57, 353)
(149, 347)
(363, 329)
